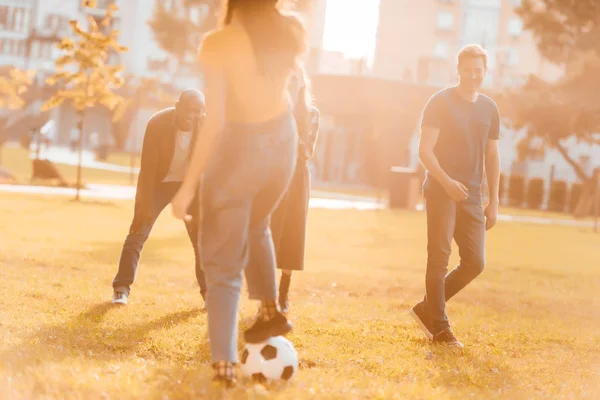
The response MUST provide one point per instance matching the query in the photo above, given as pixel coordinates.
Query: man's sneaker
(446, 337)
(119, 298)
(422, 319)
(262, 330)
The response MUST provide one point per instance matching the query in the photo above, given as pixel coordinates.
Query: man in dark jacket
(168, 141)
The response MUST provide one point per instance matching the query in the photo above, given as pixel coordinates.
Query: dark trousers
(465, 223)
(140, 230)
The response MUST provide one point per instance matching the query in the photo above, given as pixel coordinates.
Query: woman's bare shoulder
(216, 44)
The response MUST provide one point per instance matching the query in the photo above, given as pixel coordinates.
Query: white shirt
(180, 157)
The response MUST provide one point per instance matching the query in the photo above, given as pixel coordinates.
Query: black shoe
(446, 337)
(262, 330)
(420, 315)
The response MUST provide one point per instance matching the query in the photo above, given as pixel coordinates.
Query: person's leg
(224, 254)
(284, 289)
(290, 253)
(138, 234)
(260, 272)
(441, 222)
(193, 230)
(470, 238)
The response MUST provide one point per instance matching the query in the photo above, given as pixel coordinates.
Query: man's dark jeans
(140, 230)
(447, 219)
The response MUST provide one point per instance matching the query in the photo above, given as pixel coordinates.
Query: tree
(85, 76)
(563, 28)
(12, 89)
(177, 33)
(567, 33)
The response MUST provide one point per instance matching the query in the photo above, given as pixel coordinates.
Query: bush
(558, 196)
(535, 193)
(516, 190)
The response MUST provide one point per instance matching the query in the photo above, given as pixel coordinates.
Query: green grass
(531, 322)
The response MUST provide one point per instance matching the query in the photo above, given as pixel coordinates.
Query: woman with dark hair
(288, 223)
(245, 154)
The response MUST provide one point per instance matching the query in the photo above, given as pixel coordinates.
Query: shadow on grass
(85, 336)
(156, 250)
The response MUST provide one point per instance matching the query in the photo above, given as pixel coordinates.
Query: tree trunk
(80, 154)
(585, 204)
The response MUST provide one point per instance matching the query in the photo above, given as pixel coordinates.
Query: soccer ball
(275, 359)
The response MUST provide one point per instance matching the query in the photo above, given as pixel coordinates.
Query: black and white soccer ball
(275, 359)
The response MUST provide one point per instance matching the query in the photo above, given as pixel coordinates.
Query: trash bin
(404, 188)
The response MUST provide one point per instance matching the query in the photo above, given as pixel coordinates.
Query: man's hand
(491, 215)
(456, 190)
(181, 202)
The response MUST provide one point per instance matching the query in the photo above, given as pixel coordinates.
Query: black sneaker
(419, 314)
(262, 330)
(446, 337)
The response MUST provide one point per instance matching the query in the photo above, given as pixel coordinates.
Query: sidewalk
(116, 192)
(319, 200)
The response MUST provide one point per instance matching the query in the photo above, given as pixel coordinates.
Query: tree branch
(576, 167)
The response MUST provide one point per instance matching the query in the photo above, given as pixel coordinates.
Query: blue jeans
(446, 220)
(140, 230)
(246, 178)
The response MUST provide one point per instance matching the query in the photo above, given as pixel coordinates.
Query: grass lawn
(17, 161)
(531, 322)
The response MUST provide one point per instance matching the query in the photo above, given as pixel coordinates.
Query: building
(30, 29)
(418, 42)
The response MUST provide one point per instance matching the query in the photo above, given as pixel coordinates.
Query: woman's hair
(277, 39)
(303, 103)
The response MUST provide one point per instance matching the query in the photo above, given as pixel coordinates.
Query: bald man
(169, 138)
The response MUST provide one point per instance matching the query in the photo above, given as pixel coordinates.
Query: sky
(351, 26)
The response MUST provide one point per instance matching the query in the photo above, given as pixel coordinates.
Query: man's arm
(492, 170)
(429, 138)
(430, 132)
(148, 170)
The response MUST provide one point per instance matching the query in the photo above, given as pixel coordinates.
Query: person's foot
(284, 304)
(203, 307)
(225, 381)
(119, 298)
(419, 314)
(284, 288)
(263, 330)
(446, 337)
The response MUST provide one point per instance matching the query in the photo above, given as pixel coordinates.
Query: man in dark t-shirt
(459, 141)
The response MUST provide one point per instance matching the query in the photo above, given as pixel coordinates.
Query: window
(445, 20)
(515, 27)
(3, 17)
(512, 58)
(441, 50)
(19, 19)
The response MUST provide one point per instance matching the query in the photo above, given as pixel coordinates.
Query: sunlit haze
(351, 27)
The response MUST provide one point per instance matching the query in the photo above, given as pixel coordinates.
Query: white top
(180, 157)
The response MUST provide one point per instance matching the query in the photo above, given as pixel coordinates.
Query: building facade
(418, 41)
